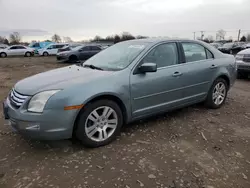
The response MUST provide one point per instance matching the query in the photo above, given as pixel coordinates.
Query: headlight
(38, 101)
(239, 57)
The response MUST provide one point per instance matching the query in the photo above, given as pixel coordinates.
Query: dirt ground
(193, 147)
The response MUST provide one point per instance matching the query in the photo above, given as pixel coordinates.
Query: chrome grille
(16, 99)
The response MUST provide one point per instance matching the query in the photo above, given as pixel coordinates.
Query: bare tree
(2, 39)
(56, 38)
(97, 38)
(67, 39)
(221, 34)
(243, 39)
(210, 38)
(126, 36)
(15, 38)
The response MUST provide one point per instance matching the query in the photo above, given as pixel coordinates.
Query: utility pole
(239, 35)
(202, 35)
(194, 35)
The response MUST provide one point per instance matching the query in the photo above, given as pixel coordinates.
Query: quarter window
(163, 55)
(195, 52)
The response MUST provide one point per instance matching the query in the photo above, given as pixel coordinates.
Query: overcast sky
(83, 19)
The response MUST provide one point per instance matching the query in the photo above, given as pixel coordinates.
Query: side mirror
(148, 67)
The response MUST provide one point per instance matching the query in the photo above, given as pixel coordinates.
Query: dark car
(79, 53)
(68, 48)
(231, 48)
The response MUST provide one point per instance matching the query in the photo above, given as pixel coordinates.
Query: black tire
(209, 100)
(45, 54)
(3, 55)
(27, 54)
(73, 59)
(80, 132)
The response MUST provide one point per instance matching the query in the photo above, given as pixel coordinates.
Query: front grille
(16, 99)
(246, 58)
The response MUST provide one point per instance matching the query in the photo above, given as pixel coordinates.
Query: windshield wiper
(92, 67)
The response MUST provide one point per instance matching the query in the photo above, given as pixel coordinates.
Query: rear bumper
(50, 125)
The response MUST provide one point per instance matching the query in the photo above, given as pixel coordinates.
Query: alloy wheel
(101, 123)
(219, 93)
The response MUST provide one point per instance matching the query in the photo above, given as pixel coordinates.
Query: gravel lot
(192, 147)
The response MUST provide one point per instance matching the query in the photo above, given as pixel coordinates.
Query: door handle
(176, 74)
(213, 66)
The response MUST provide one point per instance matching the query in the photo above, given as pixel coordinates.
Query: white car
(51, 49)
(17, 50)
(243, 63)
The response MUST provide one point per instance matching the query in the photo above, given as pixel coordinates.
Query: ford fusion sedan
(79, 53)
(17, 50)
(123, 83)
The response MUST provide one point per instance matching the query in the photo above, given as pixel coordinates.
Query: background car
(79, 53)
(17, 50)
(231, 48)
(243, 63)
(69, 47)
(2, 46)
(216, 44)
(51, 49)
(39, 45)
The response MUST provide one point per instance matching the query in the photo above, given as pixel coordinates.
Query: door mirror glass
(148, 67)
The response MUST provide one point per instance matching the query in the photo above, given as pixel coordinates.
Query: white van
(51, 49)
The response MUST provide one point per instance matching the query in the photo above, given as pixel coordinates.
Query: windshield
(228, 45)
(117, 57)
(77, 47)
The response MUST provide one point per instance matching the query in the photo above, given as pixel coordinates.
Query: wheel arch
(226, 78)
(111, 97)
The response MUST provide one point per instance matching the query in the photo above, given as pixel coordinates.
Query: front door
(160, 90)
(85, 53)
(12, 51)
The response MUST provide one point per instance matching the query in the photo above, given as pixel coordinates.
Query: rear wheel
(45, 54)
(27, 54)
(217, 94)
(3, 55)
(99, 123)
(73, 59)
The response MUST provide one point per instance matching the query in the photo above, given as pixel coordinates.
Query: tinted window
(86, 48)
(20, 47)
(209, 54)
(36, 45)
(95, 48)
(52, 47)
(163, 55)
(59, 46)
(13, 48)
(194, 52)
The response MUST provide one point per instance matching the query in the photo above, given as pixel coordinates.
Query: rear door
(21, 50)
(95, 50)
(199, 71)
(85, 53)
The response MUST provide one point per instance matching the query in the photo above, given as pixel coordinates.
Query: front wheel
(27, 54)
(99, 123)
(3, 55)
(217, 94)
(45, 54)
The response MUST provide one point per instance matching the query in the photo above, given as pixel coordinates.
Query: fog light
(33, 127)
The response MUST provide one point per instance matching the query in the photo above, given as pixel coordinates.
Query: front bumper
(243, 67)
(62, 58)
(50, 125)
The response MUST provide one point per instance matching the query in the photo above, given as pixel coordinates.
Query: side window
(95, 48)
(13, 48)
(86, 48)
(51, 47)
(209, 54)
(21, 47)
(163, 55)
(194, 52)
(36, 45)
(59, 46)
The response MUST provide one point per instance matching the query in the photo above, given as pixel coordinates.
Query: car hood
(246, 51)
(58, 79)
